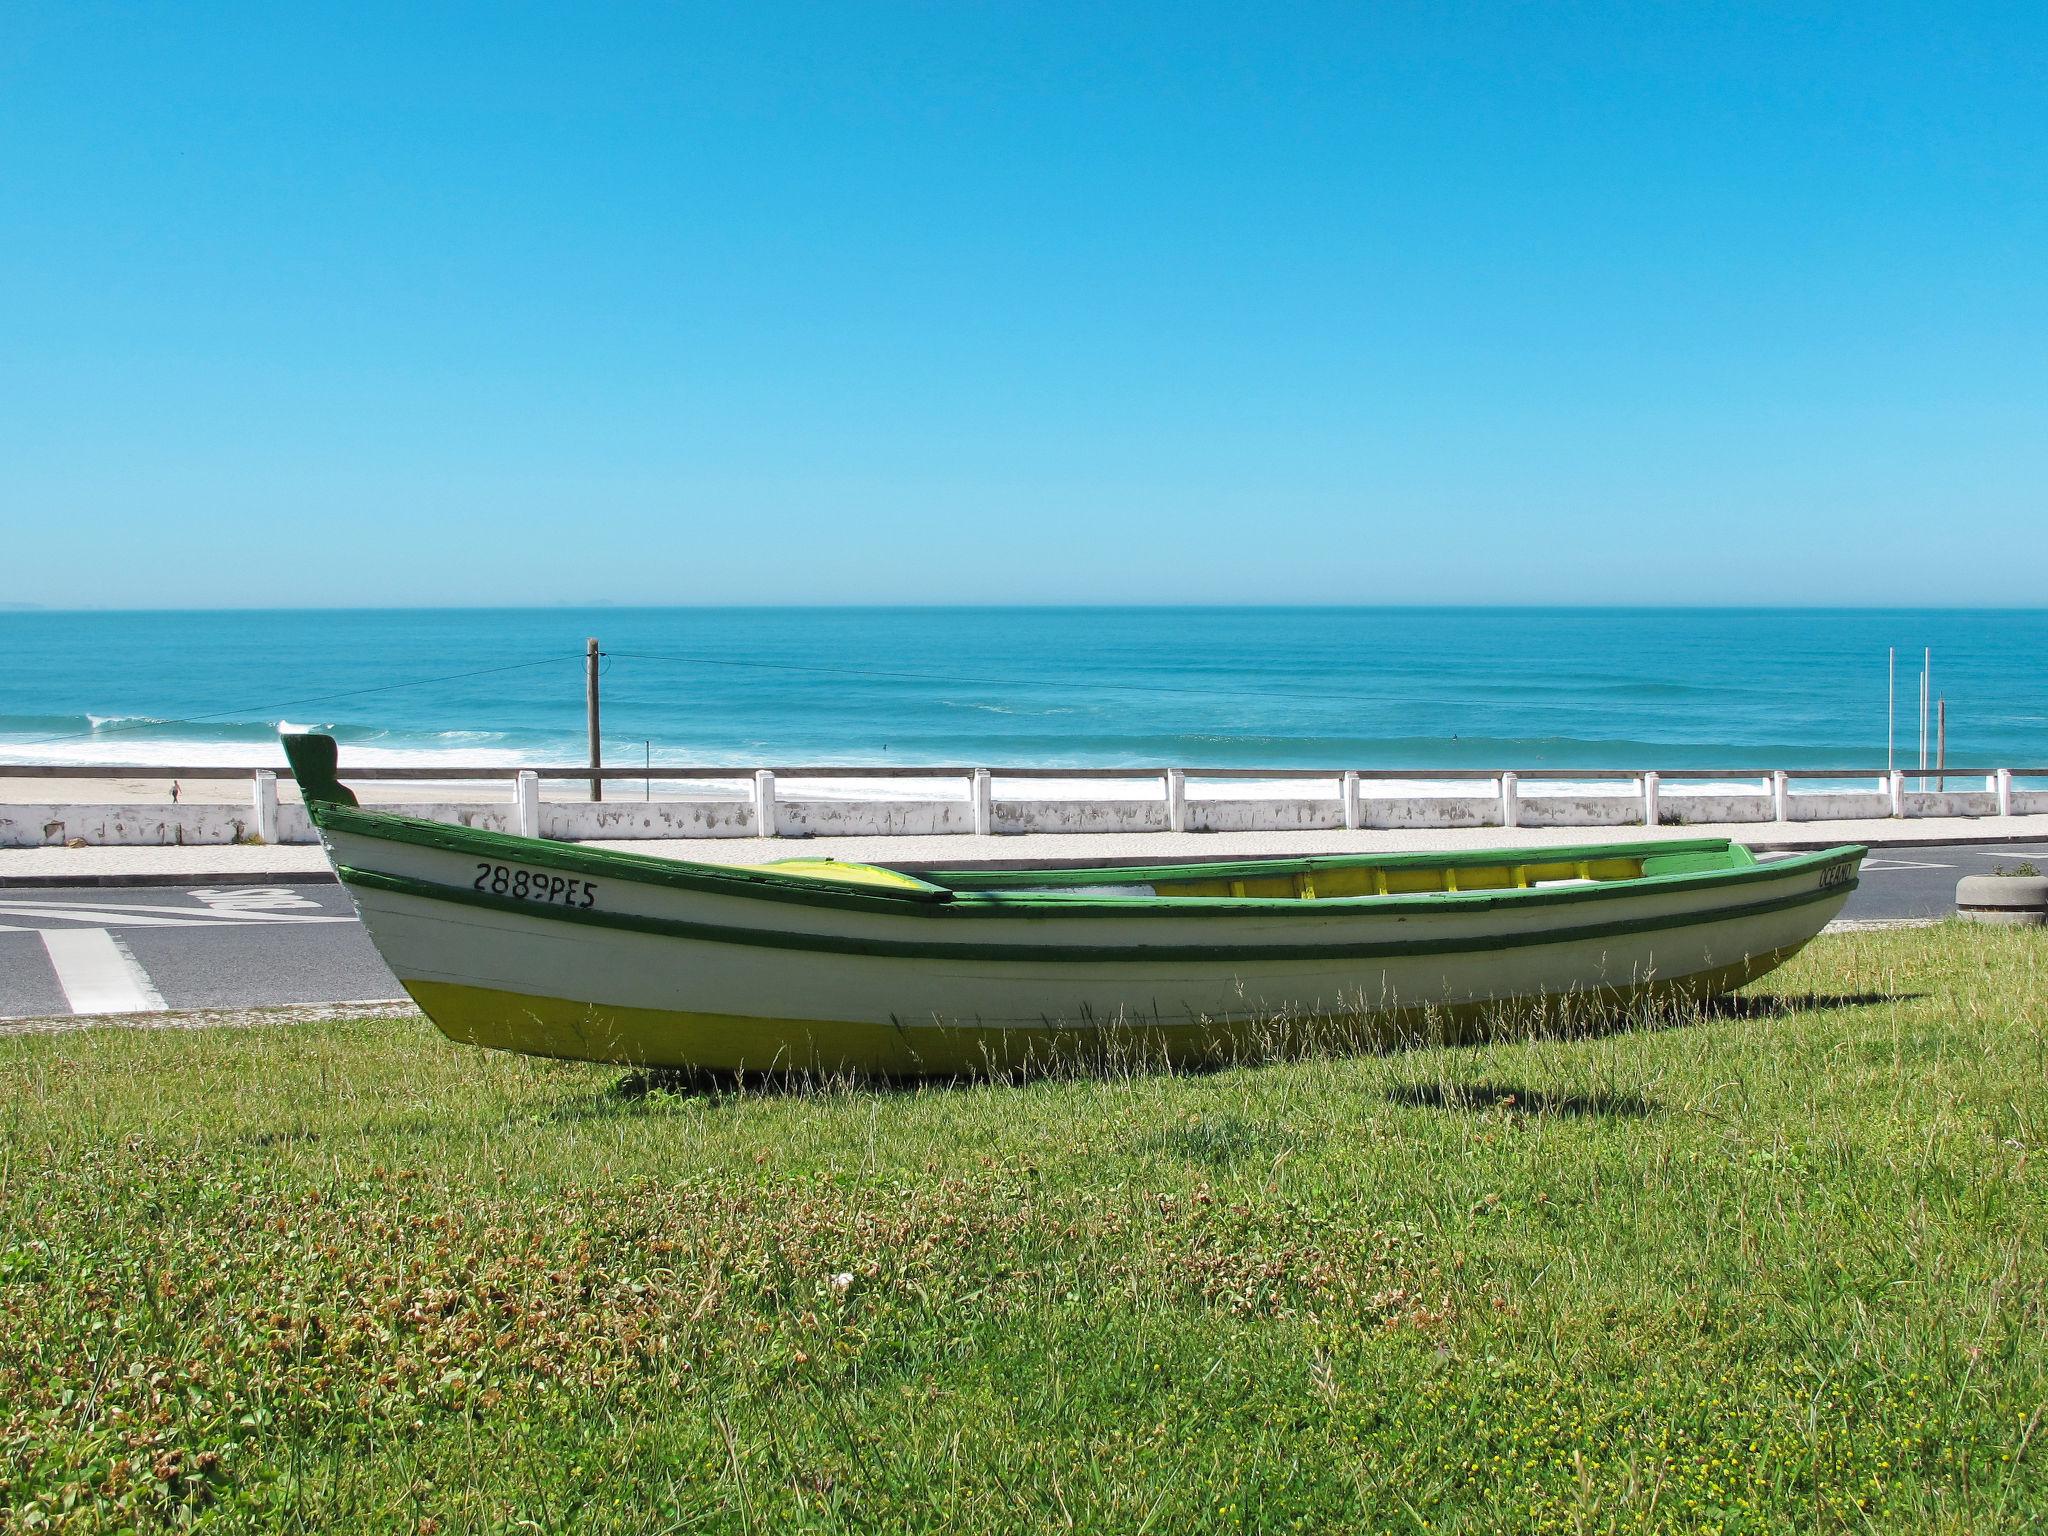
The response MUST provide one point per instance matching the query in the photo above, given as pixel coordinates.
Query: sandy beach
(156, 791)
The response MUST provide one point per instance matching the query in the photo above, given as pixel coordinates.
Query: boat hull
(689, 1040)
(675, 973)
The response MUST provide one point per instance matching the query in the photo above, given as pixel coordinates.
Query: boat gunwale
(734, 880)
(1028, 952)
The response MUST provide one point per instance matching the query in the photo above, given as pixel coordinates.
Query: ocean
(1534, 688)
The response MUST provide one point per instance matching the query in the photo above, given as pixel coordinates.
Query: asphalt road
(113, 949)
(1921, 882)
(110, 949)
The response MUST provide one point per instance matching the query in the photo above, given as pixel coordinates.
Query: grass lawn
(1785, 1267)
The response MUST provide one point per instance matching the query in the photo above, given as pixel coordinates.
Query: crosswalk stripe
(108, 919)
(205, 914)
(154, 917)
(98, 974)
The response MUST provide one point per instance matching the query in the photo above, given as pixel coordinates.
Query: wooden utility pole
(590, 656)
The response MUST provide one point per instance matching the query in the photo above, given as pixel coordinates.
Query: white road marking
(222, 917)
(253, 898)
(98, 974)
(135, 914)
(104, 917)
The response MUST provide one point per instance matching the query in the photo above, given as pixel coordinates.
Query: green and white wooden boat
(811, 965)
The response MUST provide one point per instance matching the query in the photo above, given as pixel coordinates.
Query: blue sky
(1013, 303)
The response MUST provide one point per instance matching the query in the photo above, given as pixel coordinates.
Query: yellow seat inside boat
(846, 874)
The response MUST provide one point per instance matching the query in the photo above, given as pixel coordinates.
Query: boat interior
(1306, 879)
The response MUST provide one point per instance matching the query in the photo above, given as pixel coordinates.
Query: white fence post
(1353, 816)
(1510, 800)
(1895, 784)
(764, 803)
(1781, 796)
(1176, 800)
(1651, 782)
(266, 805)
(2001, 786)
(526, 804)
(984, 793)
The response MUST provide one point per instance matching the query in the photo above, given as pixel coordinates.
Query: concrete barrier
(1221, 815)
(1554, 810)
(751, 803)
(1081, 816)
(1389, 812)
(2019, 901)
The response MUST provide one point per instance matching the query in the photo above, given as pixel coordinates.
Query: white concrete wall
(164, 826)
(582, 821)
(31, 826)
(1979, 802)
(873, 818)
(1839, 805)
(1304, 815)
(1685, 810)
(52, 826)
(1430, 811)
(1079, 815)
(1538, 810)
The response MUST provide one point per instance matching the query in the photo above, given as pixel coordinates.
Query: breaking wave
(116, 740)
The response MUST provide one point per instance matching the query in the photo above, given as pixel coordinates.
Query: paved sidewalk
(226, 863)
(245, 865)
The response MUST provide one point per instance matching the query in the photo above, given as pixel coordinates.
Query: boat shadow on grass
(651, 1090)
(1770, 1005)
(655, 1082)
(1520, 1099)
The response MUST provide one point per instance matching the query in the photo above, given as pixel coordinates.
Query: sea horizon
(1386, 686)
(606, 605)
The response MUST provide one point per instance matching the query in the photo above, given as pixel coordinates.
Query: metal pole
(1941, 748)
(1926, 701)
(1891, 708)
(590, 655)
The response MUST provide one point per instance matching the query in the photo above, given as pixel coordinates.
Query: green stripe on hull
(1027, 952)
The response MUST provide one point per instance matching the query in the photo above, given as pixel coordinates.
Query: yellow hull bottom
(713, 1042)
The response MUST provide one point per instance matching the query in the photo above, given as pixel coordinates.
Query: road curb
(254, 1016)
(159, 878)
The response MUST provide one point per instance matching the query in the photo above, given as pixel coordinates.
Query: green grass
(1780, 1269)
